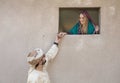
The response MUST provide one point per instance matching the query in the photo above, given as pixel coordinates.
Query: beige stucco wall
(27, 24)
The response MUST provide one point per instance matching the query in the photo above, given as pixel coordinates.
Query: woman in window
(85, 25)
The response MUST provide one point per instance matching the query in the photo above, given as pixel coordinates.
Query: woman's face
(82, 19)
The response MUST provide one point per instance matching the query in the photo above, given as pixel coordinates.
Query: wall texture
(27, 24)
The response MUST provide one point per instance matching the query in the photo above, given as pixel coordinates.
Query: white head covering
(40, 53)
(32, 59)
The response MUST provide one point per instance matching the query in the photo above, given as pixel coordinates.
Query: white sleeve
(52, 52)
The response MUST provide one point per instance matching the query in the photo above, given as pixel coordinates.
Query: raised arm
(52, 52)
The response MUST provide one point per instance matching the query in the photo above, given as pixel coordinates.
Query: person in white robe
(38, 61)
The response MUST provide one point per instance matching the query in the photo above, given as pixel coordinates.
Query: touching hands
(59, 37)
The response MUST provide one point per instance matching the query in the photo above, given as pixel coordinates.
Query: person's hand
(60, 36)
(96, 29)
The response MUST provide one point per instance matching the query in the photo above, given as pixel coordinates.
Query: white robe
(35, 76)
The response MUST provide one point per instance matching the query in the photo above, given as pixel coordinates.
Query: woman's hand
(97, 29)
